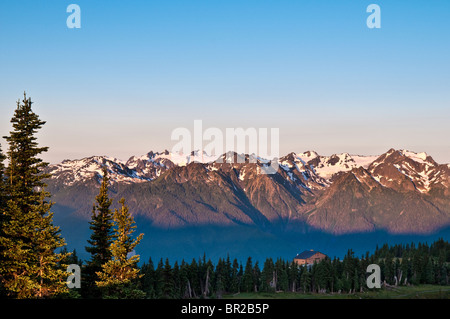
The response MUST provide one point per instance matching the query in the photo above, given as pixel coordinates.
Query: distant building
(309, 257)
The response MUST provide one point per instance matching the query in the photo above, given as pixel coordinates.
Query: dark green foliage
(247, 279)
(119, 276)
(168, 283)
(329, 275)
(267, 276)
(101, 226)
(2, 184)
(3, 292)
(148, 279)
(100, 239)
(3, 195)
(29, 266)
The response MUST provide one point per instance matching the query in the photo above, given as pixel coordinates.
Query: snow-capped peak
(307, 156)
(308, 166)
(418, 157)
(73, 171)
(327, 166)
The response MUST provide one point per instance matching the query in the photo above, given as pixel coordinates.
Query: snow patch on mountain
(307, 169)
(90, 167)
(417, 157)
(327, 166)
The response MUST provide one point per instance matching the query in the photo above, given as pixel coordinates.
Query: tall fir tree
(168, 281)
(2, 184)
(2, 210)
(267, 276)
(2, 189)
(119, 275)
(100, 240)
(148, 279)
(30, 267)
(247, 279)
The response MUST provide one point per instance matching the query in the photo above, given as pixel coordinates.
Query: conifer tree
(100, 239)
(30, 268)
(247, 278)
(219, 278)
(2, 185)
(176, 280)
(256, 277)
(186, 290)
(267, 276)
(2, 191)
(159, 279)
(193, 277)
(119, 275)
(306, 279)
(2, 209)
(227, 274)
(168, 281)
(148, 279)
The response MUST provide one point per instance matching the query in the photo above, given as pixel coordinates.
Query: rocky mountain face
(398, 192)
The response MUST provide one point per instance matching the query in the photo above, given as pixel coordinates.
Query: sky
(137, 70)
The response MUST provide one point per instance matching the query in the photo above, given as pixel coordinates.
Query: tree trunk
(189, 289)
(206, 290)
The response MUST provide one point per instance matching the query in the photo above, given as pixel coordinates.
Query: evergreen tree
(159, 279)
(185, 285)
(256, 277)
(305, 279)
(209, 277)
(389, 269)
(100, 239)
(227, 274)
(240, 274)
(322, 274)
(194, 279)
(292, 276)
(267, 276)
(176, 275)
(148, 279)
(168, 285)
(2, 185)
(428, 273)
(72, 257)
(247, 279)
(220, 278)
(283, 277)
(405, 268)
(119, 275)
(356, 281)
(30, 267)
(2, 210)
(235, 277)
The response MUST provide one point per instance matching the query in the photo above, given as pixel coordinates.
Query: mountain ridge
(194, 205)
(308, 189)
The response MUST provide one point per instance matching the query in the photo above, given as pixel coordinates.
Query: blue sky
(136, 70)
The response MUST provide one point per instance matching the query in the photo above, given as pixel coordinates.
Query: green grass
(401, 292)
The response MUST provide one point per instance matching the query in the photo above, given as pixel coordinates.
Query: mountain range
(399, 192)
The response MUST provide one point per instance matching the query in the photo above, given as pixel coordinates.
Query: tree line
(34, 257)
(408, 264)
